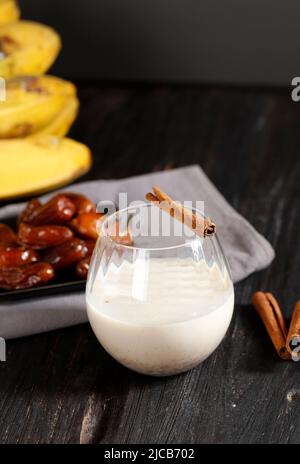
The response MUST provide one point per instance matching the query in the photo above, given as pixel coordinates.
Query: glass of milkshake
(164, 304)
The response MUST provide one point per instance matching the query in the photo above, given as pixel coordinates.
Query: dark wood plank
(62, 387)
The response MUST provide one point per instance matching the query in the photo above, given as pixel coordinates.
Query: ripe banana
(61, 124)
(37, 164)
(9, 11)
(33, 103)
(27, 48)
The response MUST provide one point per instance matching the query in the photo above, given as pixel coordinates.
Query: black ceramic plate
(51, 289)
(64, 283)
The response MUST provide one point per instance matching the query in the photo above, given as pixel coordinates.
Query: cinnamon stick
(293, 337)
(270, 313)
(201, 226)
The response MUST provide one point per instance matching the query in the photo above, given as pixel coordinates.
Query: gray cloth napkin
(247, 251)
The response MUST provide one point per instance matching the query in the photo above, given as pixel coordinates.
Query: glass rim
(103, 233)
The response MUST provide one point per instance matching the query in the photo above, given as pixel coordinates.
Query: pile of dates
(50, 239)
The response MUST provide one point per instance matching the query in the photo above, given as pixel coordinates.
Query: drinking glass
(163, 304)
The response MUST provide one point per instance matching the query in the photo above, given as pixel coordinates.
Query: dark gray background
(230, 41)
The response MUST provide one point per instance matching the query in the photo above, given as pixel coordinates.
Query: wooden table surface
(62, 387)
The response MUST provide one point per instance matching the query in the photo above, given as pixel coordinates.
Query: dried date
(86, 224)
(40, 237)
(58, 210)
(7, 236)
(66, 255)
(82, 204)
(82, 267)
(30, 210)
(90, 243)
(30, 275)
(17, 256)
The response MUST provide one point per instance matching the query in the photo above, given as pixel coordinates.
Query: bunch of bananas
(37, 112)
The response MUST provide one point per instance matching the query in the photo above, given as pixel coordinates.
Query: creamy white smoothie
(161, 316)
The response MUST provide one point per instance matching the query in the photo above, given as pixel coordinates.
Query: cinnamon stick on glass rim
(201, 226)
(293, 337)
(270, 313)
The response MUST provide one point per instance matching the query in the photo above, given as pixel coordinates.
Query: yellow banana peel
(61, 124)
(37, 164)
(9, 11)
(27, 48)
(32, 103)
